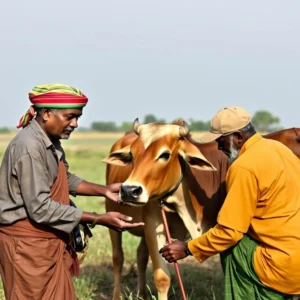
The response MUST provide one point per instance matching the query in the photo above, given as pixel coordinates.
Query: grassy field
(84, 153)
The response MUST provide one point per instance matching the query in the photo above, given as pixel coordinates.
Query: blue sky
(171, 58)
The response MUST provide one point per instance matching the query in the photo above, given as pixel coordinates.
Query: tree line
(263, 121)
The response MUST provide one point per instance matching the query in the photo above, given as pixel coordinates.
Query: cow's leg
(156, 238)
(142, 262)
(117, 260)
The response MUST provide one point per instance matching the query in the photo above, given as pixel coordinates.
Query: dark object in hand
(187, 251)
(78, 243)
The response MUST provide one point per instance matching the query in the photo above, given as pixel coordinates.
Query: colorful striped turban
(52, 96)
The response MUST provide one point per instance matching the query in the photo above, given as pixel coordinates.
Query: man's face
(228, 146)
(62, 122)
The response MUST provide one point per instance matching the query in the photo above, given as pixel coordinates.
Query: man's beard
(234, 152)
(66, 136)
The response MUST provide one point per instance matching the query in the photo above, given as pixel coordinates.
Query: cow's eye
(165, 156)
(127, 157)
(130, 156)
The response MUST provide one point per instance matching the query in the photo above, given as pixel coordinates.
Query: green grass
(96, 280)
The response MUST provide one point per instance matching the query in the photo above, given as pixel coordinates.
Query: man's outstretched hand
(112, 193)
(117, 221)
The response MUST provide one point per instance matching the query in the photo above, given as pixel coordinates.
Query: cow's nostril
(137, 191)
(130, 192)
(123, 190)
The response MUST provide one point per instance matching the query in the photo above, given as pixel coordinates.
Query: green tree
(4, 130)
(198, 125)
(264, 121)
(150, 118)
(126, 126)
(104, 126)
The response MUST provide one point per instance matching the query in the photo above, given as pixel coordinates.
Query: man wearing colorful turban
(36, 219)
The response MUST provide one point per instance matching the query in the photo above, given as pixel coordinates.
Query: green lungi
(241, 280)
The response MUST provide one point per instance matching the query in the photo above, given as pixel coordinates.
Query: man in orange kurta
(258, 227)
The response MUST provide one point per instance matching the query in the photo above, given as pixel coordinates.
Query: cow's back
(289, 137)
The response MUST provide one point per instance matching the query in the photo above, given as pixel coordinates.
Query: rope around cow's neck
(182, 164)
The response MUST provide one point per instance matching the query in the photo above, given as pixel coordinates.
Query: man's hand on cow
(112, 193)
(117, 221)
(174, 251)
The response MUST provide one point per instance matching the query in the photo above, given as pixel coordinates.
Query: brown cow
(289, 137)
(159, 161)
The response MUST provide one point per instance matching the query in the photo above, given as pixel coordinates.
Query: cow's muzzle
(130, 193)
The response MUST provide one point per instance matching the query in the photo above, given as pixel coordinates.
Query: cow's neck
(181, 202)
(163, 199)
(199, 200)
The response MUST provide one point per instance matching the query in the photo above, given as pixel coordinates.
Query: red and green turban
(52, 96)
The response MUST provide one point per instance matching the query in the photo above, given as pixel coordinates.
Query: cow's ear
(193, 156)
(121, 157)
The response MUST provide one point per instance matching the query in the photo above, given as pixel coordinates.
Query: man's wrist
(95, 221)
(187, 251)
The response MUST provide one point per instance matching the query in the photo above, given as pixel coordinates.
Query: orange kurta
(263, 201)
(34, 260)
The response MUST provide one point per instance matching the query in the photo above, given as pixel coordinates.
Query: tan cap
(226, 121)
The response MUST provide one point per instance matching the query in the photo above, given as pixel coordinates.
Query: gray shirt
(27, 173)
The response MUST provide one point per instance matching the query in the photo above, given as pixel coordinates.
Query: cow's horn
(184, 130)
(136, 126)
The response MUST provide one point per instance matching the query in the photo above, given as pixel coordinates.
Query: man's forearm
(216, 240)
(86, 188)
